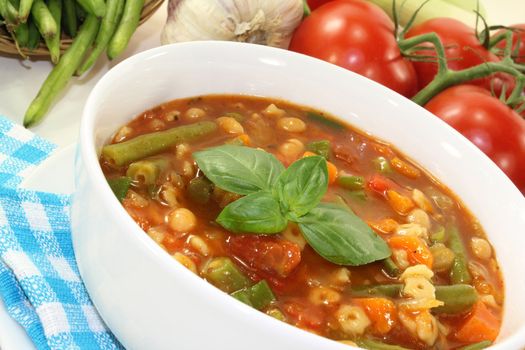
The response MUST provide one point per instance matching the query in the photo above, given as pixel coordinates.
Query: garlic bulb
(267, 22)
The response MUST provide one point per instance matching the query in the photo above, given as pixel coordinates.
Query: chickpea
(443, 257)
(185, 261)
(199, 245)
(182, 220)
(194, 113)
(481, 248)
(273, 111)
(412, 229)
(291, 124)
(230, 125)
(419, 216)
(291, 149)
(421, 200)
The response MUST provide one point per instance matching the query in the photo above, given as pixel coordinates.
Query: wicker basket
(7, 44)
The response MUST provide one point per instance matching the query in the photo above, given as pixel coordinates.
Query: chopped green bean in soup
(310, 221)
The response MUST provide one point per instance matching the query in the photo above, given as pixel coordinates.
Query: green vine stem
(450, 78)
(446, 77)
(306, 9)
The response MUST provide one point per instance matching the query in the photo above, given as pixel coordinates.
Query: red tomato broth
(351, 152)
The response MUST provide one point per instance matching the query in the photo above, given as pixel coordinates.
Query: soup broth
(437, 287)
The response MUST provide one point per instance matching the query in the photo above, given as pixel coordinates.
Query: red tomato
(380, 184)
(358, 36)
(305, 316)
(313, 4)
(462, 49)
(269, 255)
(492, 126)
(517, 36)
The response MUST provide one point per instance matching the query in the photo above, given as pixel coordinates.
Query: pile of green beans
(94, 25)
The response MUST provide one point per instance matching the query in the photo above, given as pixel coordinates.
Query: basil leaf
(257, 213)
(301, 186)
(239, 169)
(341, 237)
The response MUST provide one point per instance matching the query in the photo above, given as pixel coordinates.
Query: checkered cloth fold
(39, 279)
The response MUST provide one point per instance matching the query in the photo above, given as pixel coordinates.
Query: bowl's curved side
(150, 301)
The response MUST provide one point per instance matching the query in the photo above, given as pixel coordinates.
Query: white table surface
(20, 81)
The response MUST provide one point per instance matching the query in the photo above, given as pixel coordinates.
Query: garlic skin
(267, 22)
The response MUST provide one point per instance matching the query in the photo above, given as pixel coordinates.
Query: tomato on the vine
(488, 123)
(358, 36)
(463, 50)
(518, 38)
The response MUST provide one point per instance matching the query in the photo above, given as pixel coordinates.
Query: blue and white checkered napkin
(39, 280)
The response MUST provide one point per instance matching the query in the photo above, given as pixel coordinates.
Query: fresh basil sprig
(241, 170)
(301, 187)
(275, 196)
(341, 237)
(257, 212)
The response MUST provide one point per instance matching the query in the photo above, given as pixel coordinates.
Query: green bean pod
(120, 186)
(223, 274)
(70, 17)
(456, 298)
(9, 13)
(150, 144)
(53, 44)
(351, 182)
(377, 345)
(258, 296)
(95, 7)
(459, 272)
(322, 119)
(126, 28)
(62, 72)
(390, 267)
(22, 34)
(34, 35)
(44, 20)
(477, 346)
(107, 29)
(321, 147)
(24, 9)
(80, 13)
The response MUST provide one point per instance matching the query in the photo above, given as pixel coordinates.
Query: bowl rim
(89, 154)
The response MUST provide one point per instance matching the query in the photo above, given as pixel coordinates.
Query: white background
(20, 81)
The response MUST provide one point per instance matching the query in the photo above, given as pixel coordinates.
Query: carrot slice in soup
(480, 325)
(416, 249)
(381, 311)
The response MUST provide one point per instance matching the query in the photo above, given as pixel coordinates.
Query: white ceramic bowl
(151, 302)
